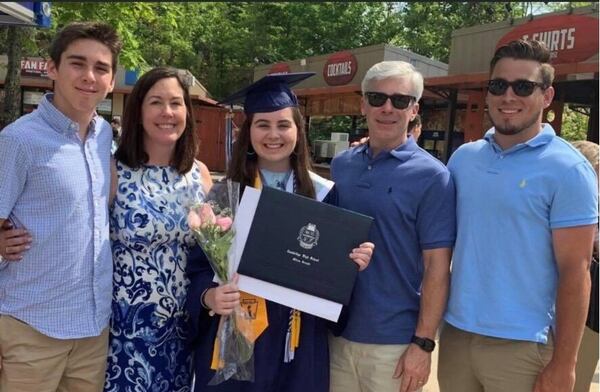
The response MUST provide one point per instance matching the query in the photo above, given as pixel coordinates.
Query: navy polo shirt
(411, 196)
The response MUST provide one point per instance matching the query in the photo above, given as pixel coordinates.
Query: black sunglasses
(521, 87)
(399, 101)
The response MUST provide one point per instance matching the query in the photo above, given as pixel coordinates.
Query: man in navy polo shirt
(526, 211)
(399, 300)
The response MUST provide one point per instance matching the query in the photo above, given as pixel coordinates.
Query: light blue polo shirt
(410, 195)
(504, 274)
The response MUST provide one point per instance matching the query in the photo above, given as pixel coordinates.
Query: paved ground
(432, 384)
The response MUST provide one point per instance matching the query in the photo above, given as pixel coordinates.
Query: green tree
(17, 43)
(239, 36)
(428, 26)
(575, 122)
(124, 16)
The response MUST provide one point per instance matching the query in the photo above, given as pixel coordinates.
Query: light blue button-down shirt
(57, 187)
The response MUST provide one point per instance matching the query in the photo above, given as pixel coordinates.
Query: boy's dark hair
(131, 149)
(527, 50)
(101, 32)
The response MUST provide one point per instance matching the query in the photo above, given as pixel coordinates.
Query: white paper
(292, 298)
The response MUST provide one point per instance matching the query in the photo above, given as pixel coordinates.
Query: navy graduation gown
(309, 371)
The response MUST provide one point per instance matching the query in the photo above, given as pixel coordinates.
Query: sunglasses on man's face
(521, 87)
(399, 101)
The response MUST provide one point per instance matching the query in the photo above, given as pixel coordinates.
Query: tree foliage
(222, 42)
(574, 123)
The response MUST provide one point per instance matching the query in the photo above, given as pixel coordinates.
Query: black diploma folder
(303, 244)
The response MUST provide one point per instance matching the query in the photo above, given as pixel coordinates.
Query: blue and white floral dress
(150, 244)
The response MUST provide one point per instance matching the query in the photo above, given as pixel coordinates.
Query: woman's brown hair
(131, 148)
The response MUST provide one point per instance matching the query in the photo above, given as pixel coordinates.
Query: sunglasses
(399, 101)
(521, 87)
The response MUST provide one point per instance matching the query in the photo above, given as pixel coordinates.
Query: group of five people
(99, 262)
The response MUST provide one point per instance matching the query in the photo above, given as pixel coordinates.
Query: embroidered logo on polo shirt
(523, 183)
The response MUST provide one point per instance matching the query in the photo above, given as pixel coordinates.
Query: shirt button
(369, 167)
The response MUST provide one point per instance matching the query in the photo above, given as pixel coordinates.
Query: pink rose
(207, 215)
(194, 221)
(224, 222)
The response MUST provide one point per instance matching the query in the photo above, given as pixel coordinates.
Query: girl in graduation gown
(271, 150)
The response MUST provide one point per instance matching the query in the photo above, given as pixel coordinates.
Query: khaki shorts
(360, 367)
(470, 362)
(34, 362)
(587, 360)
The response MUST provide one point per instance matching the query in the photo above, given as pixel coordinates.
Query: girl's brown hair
(244, 163)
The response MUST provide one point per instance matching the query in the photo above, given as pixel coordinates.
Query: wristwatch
(425, 344)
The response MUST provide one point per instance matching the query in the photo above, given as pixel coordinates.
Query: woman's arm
(207, 181)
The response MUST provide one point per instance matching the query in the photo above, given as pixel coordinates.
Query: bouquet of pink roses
(212, 225)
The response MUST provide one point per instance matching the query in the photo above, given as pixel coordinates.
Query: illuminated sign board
(25, 13)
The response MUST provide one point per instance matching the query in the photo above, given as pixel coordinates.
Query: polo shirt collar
(403, 152)
(57, 120)
(544, 137)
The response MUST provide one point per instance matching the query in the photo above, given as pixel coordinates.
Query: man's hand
(362, 255)
(414, 367)
(13, 242)
(556, 378)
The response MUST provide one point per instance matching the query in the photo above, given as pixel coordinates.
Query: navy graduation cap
(269, 94)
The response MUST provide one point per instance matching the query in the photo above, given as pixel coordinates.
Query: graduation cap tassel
(292, 338)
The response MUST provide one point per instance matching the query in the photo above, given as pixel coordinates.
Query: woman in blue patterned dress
(155, 177)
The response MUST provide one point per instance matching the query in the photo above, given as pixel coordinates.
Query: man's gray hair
(395, 70)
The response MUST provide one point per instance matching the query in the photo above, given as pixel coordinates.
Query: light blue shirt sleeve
(575, 202)
(13, 173)
(13, 170)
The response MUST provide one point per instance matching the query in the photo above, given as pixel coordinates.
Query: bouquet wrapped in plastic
(212, 225)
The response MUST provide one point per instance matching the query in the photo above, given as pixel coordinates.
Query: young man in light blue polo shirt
(526, 212)
(55, 302)
(399, 300)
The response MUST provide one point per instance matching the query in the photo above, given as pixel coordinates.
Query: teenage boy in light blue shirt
(55, 169)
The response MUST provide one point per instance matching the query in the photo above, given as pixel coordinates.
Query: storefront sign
(340, 69)
(32, 97)
(35, 67)
(570, 38)
(104, 106)
(280, 68)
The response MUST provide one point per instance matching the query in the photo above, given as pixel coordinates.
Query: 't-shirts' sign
(570, 38)
(35, 67)
(340, 69)
(280, 68)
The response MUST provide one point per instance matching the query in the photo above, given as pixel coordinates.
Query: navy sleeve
(436, 217)
(336, 328)
(331, 197)
(200, 275)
